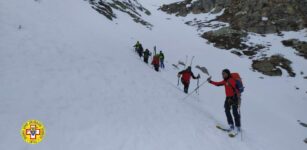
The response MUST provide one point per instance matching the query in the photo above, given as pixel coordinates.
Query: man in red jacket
(232, 99)
(186, 77)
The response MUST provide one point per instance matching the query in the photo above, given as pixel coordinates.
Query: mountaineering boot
(238, 129)
(231, 127)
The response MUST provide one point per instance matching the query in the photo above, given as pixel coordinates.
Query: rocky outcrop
(251, 51)
(194, 6)
(226, 38)
(131, 7)
(271, 66)
(299, 46)
(266, 16)
(259, 16)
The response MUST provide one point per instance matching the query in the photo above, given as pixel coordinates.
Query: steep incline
(66, 65)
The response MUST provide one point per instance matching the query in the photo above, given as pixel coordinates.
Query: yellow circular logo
(32, 131)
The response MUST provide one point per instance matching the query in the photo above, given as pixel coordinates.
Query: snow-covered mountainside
(76, 71)
(238, 24)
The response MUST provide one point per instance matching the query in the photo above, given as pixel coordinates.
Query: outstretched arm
(221, 83)
(193, 76)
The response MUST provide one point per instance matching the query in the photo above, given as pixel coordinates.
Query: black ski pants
(232, 103)
(156, 66)
(186, 86)
(146, 59)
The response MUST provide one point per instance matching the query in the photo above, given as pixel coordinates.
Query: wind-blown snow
(76, 72)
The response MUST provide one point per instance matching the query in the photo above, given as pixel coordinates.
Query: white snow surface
(75, 71)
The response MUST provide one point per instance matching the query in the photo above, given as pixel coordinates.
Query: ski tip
(232, 135)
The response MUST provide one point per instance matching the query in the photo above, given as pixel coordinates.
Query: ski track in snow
(74, 70)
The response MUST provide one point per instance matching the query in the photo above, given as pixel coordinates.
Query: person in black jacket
(146, 55)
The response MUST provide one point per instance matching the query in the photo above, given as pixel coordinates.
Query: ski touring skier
(141, 51)
(146, 56)
(161, 55)
(156, 62)
(139, 48)
(186, 77)
(233, 99)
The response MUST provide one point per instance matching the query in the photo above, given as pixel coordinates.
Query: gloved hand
(198, 77)
(209, 79)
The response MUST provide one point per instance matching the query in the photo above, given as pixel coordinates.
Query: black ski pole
(197, 85)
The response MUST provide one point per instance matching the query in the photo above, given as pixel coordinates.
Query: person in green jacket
(137, 46)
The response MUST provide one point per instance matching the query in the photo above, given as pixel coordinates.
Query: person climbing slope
(156, 62)
(139, 48)
(233, 99)
(186, 77)
(146, 55)
(161, 55)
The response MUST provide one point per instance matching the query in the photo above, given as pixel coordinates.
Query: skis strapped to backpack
(192, 61)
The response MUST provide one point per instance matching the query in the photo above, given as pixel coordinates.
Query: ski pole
(241, 122)
(197, 86)
(195, 90)
(178, 81)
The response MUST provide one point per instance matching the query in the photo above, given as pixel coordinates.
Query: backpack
(186, 76)
(239, 83)
(155, 60)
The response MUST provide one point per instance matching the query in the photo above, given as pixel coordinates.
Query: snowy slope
(75, 71)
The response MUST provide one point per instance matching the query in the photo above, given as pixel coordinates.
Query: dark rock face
(196, 7)
(271, 66)
(226, 38)
(266, 16)
(259, 16)
(252, 50)
(237, 53)
(132, 7)
(299, 46)
(179, 8)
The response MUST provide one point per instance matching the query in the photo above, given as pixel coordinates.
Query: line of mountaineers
(158, 59)
(231, 81)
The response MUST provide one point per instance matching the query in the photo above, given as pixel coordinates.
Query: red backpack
(186, 76)
(155, 60)
(239, 82)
